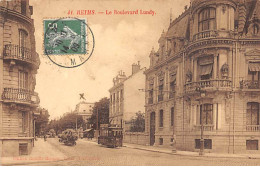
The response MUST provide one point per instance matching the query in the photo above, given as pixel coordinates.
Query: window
(206, 114)
(117, 96)
(161, 118)
(111, 99)
(23, 36)
(23, 80)
(114, 97)
(161, 141)
(23, 7)
(207, 19)
(252, 144)
(252, 115)
(24, 121)
(160, 93)
(255, 29)
(23, 148)
(207, 144)
(150, 98)
(172, 116)
(172, 85)
(121, 94)
(206, 67)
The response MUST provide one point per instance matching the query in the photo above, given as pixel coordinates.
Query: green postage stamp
(71, 37)
(65, 36)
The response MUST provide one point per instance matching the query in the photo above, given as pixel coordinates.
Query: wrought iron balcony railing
(253, 128)
(207, 84)
(21, 53)
(205, 35)
(20, 96)
(249, 84)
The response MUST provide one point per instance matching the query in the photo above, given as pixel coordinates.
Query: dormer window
(23, 7)
(207, 19)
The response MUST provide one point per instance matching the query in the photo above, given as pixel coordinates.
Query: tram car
(110, 135)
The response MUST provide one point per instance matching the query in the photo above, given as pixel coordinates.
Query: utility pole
(97, 120)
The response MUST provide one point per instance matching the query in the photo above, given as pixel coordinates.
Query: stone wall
(136, 138)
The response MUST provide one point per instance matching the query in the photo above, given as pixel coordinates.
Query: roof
(178, 28)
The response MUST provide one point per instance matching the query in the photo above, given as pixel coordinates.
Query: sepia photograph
(129, 83)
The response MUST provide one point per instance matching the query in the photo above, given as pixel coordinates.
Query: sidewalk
(41, 152)
(189, 153)
(185, 153)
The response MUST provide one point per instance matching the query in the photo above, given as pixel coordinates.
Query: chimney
(136, 67)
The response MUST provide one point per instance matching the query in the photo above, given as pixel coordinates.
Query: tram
(110, 135)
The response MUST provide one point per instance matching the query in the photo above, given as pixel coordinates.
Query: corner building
(18, 67)
(205, 76)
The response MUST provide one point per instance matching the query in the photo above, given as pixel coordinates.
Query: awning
(254, 66)
(206, 60)
(87, 130)
(206, 69)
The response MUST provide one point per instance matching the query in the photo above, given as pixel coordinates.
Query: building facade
(18, 67)
(204, 82)
(85, 110)
(125, 97)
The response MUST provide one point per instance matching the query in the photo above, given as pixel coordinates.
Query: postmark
(68, 42)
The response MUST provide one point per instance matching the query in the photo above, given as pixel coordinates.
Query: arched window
(207, 19)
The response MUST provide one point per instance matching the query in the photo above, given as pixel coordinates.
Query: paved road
(90, 153)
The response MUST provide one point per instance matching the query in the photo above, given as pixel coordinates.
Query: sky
(120, 41)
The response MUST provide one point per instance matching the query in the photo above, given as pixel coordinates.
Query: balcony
(249, 85)
(209, 85)
(22, 96)
(208, 127)
(253, 128)
(150, 100)
(21, 54)
(160, 97)
(205, 35)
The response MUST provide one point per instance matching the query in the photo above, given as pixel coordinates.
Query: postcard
(130, 82)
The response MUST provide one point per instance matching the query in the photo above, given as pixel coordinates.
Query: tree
(138, 123)
(68, 121)
(41, 121)
(102, 109)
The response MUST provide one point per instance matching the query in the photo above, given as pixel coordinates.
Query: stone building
(204, 80)
(18, 67)
(85, 110)
(125, 97)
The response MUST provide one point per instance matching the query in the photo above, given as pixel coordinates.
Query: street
(90, 153)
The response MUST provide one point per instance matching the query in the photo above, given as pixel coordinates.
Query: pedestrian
(45, 137)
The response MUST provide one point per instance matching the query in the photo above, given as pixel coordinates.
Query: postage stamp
(68, 42)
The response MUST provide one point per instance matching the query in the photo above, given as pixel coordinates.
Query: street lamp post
(201, 152)
(201, 140)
